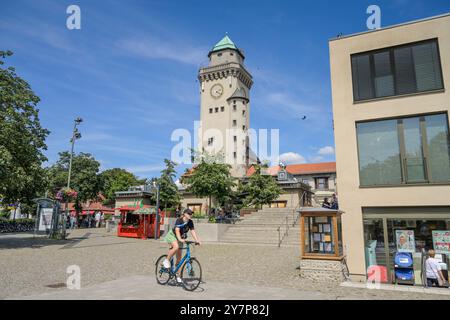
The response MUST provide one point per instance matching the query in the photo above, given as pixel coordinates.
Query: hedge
(18, 225)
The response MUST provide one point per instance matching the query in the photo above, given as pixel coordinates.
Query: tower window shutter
(384, 78)
(362, 77)
(426, 66)
(404, 70)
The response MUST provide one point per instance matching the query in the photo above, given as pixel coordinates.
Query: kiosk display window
(321, 233)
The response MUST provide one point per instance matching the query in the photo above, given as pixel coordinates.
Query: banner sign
(441, 241)
(45, 222)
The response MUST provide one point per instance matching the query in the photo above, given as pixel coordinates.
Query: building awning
(138, 209)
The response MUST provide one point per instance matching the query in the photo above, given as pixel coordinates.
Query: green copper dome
(225, 43)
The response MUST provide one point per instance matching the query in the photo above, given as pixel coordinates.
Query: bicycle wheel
(162, 274)
(191, 274)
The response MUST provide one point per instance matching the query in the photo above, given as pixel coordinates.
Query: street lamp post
(75, 135)
(156, 185)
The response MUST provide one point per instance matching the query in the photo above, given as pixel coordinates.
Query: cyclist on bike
(177, 236)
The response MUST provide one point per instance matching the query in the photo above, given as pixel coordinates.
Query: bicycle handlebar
(192, 242)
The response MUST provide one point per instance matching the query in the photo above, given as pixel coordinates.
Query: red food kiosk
(139, 222)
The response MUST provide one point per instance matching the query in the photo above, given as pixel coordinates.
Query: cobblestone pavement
(38, 266)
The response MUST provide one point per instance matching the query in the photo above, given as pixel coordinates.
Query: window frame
(326, 183)
(425, 149)
(391, 50)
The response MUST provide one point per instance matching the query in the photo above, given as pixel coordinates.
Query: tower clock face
(216, 91)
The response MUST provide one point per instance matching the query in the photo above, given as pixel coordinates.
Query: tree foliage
(22, 139)
(84, 177)
(212, 180)
(260, 189)
(114, 180)
(169, 196)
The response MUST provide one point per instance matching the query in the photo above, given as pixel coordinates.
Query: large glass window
(379, 153)
(405, 150)
(414, 160)
(438, 147)
(398, 70)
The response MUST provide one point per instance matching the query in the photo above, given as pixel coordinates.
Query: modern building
(225, 106)
(391, 126)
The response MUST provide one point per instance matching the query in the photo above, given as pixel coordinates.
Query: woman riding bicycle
(177, 236)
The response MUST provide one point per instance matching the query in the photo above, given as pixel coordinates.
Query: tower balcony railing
(228, 65)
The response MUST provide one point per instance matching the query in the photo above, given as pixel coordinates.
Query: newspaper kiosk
(139, 222)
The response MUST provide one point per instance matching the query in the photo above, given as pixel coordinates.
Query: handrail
(294, 218)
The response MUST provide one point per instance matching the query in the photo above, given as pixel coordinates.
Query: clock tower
(225, 106)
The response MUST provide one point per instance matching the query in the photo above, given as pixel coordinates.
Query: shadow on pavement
(30, 242)
(26, 240)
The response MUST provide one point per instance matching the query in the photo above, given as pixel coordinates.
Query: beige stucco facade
(352, 197)
(194, 203)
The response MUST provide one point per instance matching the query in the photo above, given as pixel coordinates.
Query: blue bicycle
(191, 271)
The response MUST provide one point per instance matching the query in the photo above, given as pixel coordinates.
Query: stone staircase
(261, 228)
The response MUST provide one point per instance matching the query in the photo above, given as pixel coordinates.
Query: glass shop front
(397, 240)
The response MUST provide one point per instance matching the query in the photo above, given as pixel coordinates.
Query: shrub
(198, 215)
(18, 225)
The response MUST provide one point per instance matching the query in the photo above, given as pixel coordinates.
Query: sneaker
(166, 264)
(179, 280)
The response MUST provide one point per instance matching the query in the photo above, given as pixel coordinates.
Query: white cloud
(96, 136)
(152, 48)
(178, 183)
(292, 158)
(145, 168)
(289, 103)
(328, 150)
(315, 159)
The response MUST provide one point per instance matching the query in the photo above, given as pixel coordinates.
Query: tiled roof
(304, 168)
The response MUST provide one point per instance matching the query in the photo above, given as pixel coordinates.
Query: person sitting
(334, 202)
(221, 216)
(326, 204)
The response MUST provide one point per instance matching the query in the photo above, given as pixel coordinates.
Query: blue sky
(131, 71)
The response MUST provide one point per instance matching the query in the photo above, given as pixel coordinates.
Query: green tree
(84, 177)
(22, 139)
(169, 196)
(260, 189)
(212, 180)
(114, 180)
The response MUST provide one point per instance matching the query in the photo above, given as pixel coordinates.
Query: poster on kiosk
(405, 241)
(441, 241)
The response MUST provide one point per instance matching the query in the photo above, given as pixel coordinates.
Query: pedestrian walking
(97, 219)
(73, 220)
